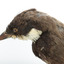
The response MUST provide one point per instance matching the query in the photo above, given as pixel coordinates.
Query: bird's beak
(3, 36)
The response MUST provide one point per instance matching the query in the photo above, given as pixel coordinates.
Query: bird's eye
(15, 29)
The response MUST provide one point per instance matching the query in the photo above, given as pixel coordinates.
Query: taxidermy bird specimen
(45, 32)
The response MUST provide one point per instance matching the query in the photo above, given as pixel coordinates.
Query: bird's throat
(33, 35)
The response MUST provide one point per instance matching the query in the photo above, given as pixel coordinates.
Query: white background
(14, 51)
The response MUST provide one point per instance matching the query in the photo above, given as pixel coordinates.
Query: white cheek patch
(33, 35)
(13, 36)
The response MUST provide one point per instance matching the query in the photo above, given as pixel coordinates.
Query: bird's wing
(53, 50)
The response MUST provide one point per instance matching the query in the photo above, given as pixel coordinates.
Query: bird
(45, 32)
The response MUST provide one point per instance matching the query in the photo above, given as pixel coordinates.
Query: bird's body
(46, 33)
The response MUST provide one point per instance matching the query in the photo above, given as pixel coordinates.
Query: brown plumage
(50, 45)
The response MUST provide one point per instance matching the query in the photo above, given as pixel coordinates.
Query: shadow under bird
(45, 32)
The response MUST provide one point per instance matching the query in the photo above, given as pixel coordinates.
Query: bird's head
(24, 26)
